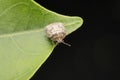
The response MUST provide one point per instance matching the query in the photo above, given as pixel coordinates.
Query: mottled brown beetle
(56, 32)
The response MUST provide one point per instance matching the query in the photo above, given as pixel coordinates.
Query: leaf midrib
(29, 31)
(20, 33)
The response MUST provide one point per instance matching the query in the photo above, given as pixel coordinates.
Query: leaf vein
(17, 45)
(12, 6)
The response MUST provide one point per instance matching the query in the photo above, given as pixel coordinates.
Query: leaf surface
(23, 44)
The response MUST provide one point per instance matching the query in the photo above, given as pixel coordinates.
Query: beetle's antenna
(62, 41)
(66, 43)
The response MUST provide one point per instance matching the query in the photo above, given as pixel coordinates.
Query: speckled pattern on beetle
(56, 32)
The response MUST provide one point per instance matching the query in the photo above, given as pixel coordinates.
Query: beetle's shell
(56, 32)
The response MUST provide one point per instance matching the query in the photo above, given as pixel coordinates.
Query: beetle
(56, 32)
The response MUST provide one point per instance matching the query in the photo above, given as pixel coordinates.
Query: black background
(94, 54)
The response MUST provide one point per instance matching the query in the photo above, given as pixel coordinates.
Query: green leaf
(23, 44)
